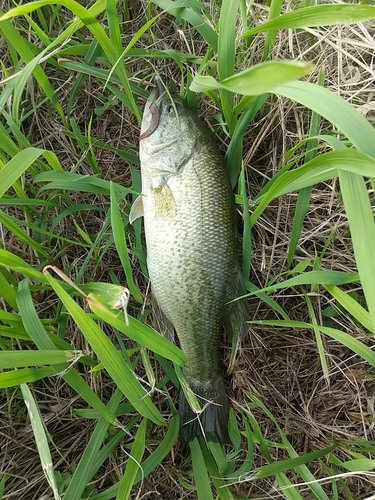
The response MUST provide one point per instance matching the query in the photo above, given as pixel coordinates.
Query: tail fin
(212, 423)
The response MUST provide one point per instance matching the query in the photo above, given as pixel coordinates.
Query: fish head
(169, 133)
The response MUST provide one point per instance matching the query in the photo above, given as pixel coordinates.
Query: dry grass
(280, 366)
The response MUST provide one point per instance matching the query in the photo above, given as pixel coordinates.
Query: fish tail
(212, 423)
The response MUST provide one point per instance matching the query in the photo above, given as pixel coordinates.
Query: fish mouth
(152, 108)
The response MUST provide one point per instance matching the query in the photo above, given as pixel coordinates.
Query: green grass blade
(201, 478)
(77, 182)
(112, 360)
(40, 439)
(226, 53)
(151, 462)
(19, 359)
(304, 195)
(343, 338)
(301, 469)
(14, 228)
(8, 292)
(223, 492)
(140, 333)
(43, 341)
(96, 29)
(192, 17)
(267, 299)
(320, 169)
(18, 165)
(24, 376)
(353, 344)
(311, 278)
(12, 36)
(351, 306)
(320, 15)
(227, 35)
(361, 223)
(134, 463)
(84, 473)
(269, 42)
(113, 23)
(246, 235)
(285, 465)
(233, 156)
(120, 242)
(89, 60)
(318, 337)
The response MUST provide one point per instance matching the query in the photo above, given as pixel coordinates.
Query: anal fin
(234, 321)
(160, 320)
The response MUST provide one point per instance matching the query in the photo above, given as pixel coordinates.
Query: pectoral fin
(136, 210)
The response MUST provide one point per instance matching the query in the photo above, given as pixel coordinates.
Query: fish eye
(175, 107)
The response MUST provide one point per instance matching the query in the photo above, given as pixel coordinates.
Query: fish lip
(152, 106)
(159, 85)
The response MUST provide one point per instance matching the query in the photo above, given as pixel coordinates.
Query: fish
(189, 216)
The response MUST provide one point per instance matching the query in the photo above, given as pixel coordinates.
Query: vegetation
(87, 388)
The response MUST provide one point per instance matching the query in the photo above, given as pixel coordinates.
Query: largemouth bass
(189, 220)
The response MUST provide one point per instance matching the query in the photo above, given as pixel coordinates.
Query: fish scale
(189, 221)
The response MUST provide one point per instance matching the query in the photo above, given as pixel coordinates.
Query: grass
(287, 89)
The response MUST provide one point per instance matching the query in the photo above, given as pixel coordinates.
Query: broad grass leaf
(8, 292)
(319, 169)
(359, 465)
(226, 53)
(269, 42)
(335, 109)
(362, 229)
(257, 80)
(8, 259)
(319, 15)
(303, 200)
